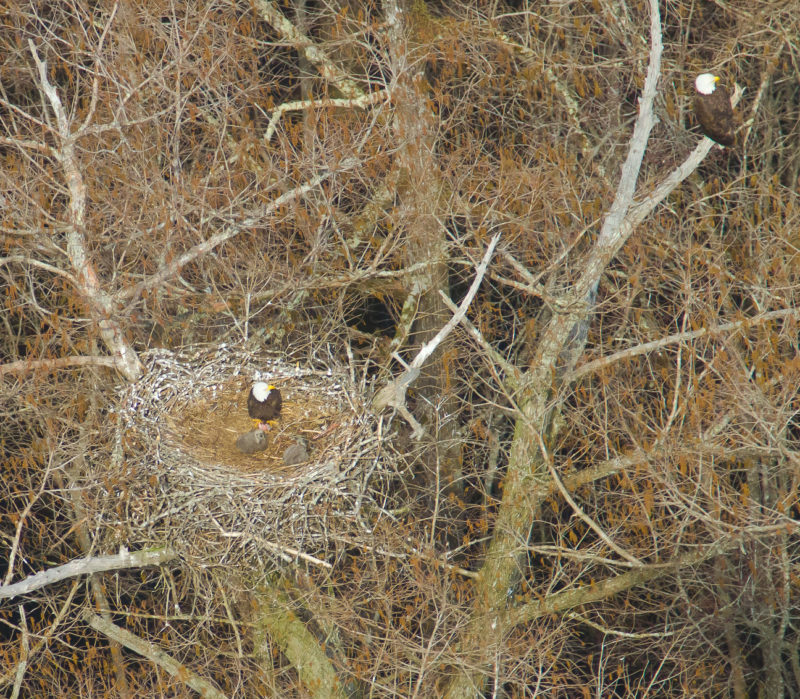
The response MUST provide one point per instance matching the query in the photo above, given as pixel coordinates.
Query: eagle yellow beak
(716, 78)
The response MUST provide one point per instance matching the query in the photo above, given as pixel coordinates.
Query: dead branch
(23, 366)
(101, 304)
(230, 231)
(299, 105)
(155, 655)
(327, 69)
(394, 393)
(86, 566)
(655, 345)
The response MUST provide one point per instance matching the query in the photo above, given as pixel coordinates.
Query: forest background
(595, 489)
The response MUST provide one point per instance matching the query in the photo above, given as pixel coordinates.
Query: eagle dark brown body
(264, 403)
(712, 107)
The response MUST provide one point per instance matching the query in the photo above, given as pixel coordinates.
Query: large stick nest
(178, 478)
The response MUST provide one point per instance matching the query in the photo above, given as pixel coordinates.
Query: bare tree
(574, 316)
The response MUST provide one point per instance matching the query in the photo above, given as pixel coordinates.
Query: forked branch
(393, 394)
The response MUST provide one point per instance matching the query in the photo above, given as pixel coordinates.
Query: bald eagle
(264, 404)
(712, 107)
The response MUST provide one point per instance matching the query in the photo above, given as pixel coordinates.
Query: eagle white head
(706, 83)
(260, 391)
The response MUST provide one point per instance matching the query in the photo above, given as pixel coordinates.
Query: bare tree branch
(24, 654)
(155, 655)
(579, 510)
(327, 69)
(655, 345)
(276, 617)
(394, 393)
(103, 308)
(524, 487)
(171, 269)
(86, 566)
(23, 366)
(280, 110)
(604, 589)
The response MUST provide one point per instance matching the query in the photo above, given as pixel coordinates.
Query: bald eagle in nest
(264, 404)
(712, 107)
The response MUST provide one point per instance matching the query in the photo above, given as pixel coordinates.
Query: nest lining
(188, 485)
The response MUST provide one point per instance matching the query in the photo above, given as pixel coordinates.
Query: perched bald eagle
(712, 107)
(264, 404)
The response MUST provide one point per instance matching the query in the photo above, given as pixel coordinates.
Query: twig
(430, 347)
(25, 143)
(21, 521)
(762, 88)
(95, 82)
(24, 654)
(615, 632)
(286, 551)
(570, 102)
(513, 375)
(229, 232)
(45, 636)
(433, 558)
(37, 263)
